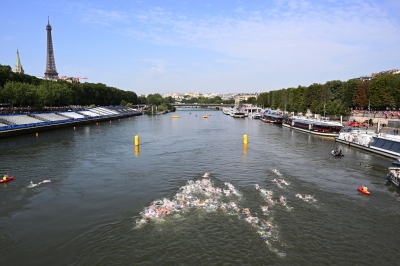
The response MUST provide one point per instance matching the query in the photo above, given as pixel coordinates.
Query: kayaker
(364, 188)
(4, 177)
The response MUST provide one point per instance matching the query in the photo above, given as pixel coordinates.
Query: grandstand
(72, 115)
(89, 114)
(20, 119)
(123, 109)
(50, 117)
(13, 124)
(103, 111)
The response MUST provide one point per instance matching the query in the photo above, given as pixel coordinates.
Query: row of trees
(24, 90)
(336, 97)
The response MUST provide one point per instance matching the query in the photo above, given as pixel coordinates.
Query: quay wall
(36, 129)
(390, 121)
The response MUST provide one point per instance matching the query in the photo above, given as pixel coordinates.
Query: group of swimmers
(267, 195)
(196, 194)
(202, 194)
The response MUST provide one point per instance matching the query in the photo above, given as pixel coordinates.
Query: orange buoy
(37, 134)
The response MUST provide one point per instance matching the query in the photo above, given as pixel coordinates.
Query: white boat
(322, 127)
(256, 116)
(238, 114)
(383, 144)
(227, 111)
(394, 175)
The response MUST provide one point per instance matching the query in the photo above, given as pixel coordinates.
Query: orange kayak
(362, 191)
(6, 180)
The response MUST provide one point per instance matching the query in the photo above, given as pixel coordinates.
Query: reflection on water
(281, 199)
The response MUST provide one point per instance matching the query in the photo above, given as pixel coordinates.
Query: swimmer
(282, 200)
(270, 201)
(276, 171)
(264, 208)
(309, 197)
(227, 192)
(206, 174)
(266, 223)
(257, 187)
(252, 219)
(246, 211)
(31, 185)
(223, 207)
(284, 182)
(300, 196)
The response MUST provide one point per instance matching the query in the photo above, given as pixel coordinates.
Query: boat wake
(32, 185)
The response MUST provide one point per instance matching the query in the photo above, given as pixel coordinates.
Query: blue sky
(165, 46)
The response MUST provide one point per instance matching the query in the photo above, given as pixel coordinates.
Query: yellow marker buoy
(244, 149)
(137, 152)
(245, 139)
(136, 140)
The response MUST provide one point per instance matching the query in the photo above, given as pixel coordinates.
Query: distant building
(194, 94)
(374, 75)
(244, 97)
(18, 67)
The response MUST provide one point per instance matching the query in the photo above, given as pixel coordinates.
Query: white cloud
(290, 31)
(311, 40)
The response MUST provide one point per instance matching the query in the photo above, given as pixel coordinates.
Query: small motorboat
(363, 191)
(7, 179)
(337, 152)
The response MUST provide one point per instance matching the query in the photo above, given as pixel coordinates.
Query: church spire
(18, 67)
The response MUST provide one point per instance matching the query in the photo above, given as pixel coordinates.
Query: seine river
(91, 212)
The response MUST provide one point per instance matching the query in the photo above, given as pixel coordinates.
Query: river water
(91, 212)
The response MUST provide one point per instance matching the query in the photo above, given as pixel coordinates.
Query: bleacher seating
(12, 122)
(72, 115)
(89, 113)
(103, 111)
(21, 119)
(50, 117)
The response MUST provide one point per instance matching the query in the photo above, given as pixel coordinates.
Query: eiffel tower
(51, 71)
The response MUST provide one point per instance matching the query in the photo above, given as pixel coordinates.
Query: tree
(361, 99)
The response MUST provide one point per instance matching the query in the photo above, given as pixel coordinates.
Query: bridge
(202, 105)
